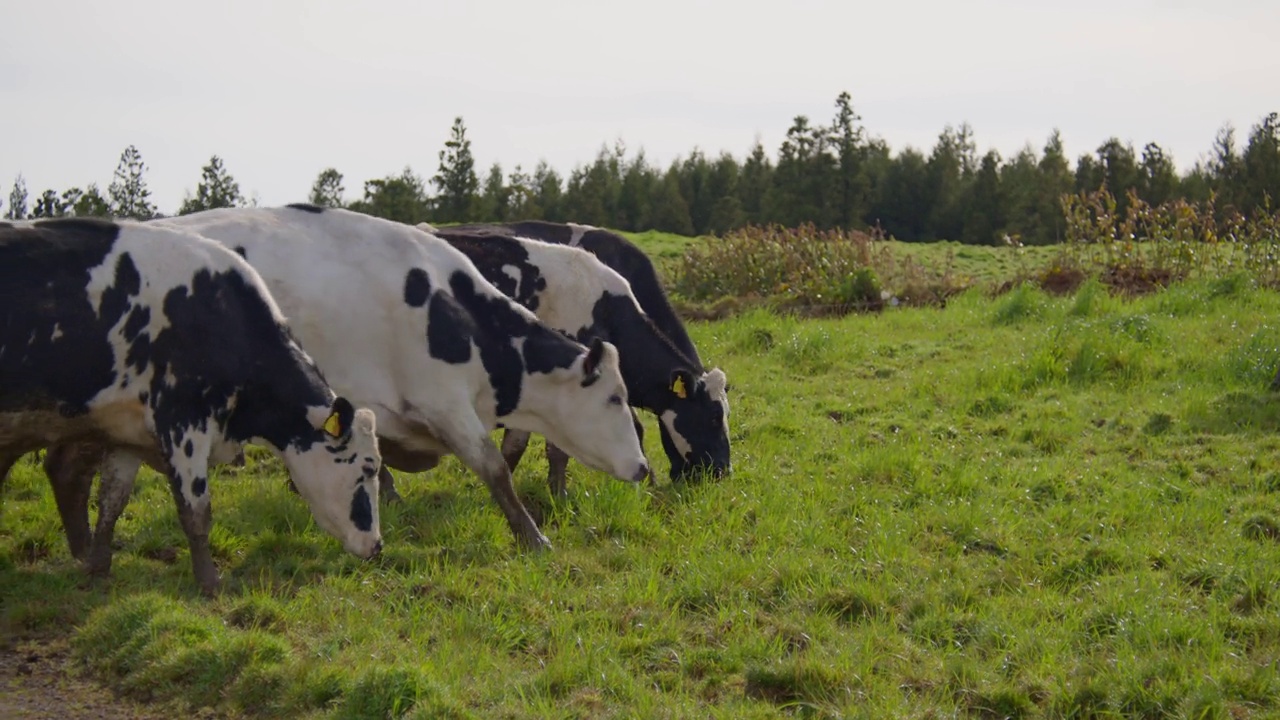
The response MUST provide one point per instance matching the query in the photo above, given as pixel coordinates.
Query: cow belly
(408, 458)
(120, 424)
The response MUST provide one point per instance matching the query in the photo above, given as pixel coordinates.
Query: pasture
(1019, 506)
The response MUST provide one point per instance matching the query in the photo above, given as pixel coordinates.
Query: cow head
(338, 475)
(583, 410)
(694, 424)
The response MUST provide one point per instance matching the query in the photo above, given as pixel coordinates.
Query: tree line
(832, 176)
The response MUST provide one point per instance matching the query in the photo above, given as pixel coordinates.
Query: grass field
(1019, 507)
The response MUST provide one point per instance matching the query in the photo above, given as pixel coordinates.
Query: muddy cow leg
(189, 482)
(514, 443)
(387, 485)
(470, 441)
(557, 471)
(71, 468)
(119, 470)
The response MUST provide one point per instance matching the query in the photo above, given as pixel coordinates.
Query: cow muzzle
(644, 473)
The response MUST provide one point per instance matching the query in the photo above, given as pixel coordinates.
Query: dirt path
(37, 683)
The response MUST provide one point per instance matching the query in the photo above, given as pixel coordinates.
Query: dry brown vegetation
(812, 272)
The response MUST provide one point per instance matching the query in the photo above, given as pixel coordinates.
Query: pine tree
(401, 198)
(951, 167)
(1020, 181)
(89, 203)
(128, 192)
(48, 205)
(1261, 165)
(548, 192)
(902, 199)
(523, 203)
(456, 182)
(849, 138)
(984, 211)
(217, 189)
(17, 200)
(635, 200)
(327, 190)
(1226, 169)
(753, 185)
(495, 201)
(1119, 168)
(726, 212)
(695, 187)
(670, 212)
(1158, 177)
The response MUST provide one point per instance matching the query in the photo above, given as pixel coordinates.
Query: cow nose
(641, 474)
(377, 549)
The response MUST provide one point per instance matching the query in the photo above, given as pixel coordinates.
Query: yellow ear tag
(333, 426)
(677, 387)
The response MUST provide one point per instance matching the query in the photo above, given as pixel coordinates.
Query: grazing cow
(403, 324)
(572, 291)
(687, 437)
(167, 349)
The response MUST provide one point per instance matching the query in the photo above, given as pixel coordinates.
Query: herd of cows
(347, 345)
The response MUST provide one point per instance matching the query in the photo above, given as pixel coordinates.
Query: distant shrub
(806, 267)
(1151, 247)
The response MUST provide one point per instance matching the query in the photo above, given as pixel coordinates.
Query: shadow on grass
(1237, 412)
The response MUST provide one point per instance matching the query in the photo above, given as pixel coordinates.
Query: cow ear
(338, 423)
(591, 365)
(681, 383)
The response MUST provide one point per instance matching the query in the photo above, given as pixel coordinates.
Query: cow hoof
(96, 566)
(538, 543)
(209, 587)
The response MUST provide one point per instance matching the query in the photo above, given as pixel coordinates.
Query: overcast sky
(283, 89)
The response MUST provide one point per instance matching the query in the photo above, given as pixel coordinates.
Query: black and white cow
(573, 291)
(696, 438)
(402, 323)
(167, 349)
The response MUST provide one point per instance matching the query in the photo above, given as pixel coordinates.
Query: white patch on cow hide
(682, 445)
(512, 272)
(576, 279)
(575, 238)
(717, 387)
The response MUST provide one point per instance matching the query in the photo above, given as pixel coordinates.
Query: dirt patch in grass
(38, 682)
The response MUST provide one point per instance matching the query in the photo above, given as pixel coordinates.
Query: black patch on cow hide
(139, 317)
(44, 273)
(306, 207)
(362, 510)
(493, 254)
(449, 330)
(417, 287)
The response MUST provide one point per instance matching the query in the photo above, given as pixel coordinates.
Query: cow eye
(615, 399)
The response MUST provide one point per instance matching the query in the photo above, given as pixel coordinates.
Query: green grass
(1024, 506)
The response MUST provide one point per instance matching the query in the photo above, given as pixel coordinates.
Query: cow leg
(189, 482)
(71, 468)
(468, 439)
(387, 485)
(557, 471)
(514, 443)
(119, 469)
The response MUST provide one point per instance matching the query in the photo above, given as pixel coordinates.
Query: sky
(282, 89)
